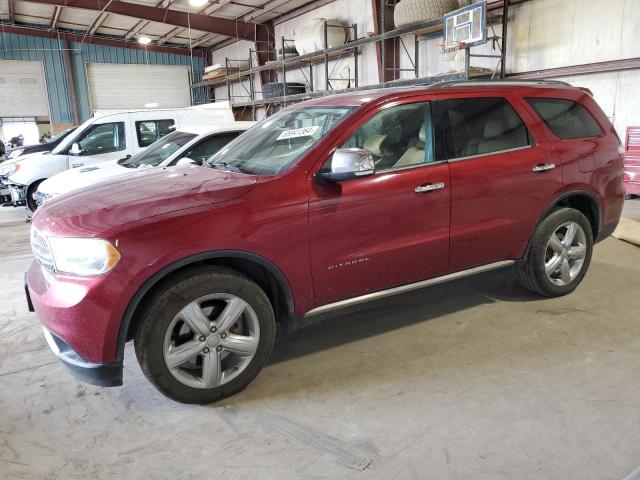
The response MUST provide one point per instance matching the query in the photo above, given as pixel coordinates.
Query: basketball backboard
(467, 25)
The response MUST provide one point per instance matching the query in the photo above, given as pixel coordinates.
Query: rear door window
(148, 131)
(565, 118)
(478, 126)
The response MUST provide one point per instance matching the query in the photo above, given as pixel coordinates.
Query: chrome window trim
(469, 157)
(406, 288)
(407, 167)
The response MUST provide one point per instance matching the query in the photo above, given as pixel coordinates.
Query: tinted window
(148, 131)
(565, 118)
(103, 138)
(203, 150)
(475, 126)
(398, 137)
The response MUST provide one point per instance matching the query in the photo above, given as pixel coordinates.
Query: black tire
(279, 89)
(530, 271)
(169, 299)
(31, 190)
(410, 12)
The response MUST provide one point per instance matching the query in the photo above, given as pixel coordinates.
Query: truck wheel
(205, 334)
(31, 191)
(559, 254)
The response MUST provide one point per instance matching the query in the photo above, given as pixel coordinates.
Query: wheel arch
(262, 271)
(581, 200)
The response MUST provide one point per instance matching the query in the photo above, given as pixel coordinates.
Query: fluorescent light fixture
(144, 40)
(198, 3)
(151, 105)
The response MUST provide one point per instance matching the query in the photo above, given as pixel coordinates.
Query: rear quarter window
(565, 118)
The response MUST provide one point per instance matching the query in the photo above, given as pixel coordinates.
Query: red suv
(329, 203)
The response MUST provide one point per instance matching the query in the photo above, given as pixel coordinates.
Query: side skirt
(406, 288)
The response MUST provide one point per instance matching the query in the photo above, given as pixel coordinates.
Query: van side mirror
(75, 150)
(186, 161)
(347, 163)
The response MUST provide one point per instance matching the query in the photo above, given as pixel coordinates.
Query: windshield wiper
(224, 166)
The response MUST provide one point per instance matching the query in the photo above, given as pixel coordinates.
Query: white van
(108, 135)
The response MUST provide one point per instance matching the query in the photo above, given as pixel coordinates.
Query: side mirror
(186, 161)
(347, 163)
(75, 150)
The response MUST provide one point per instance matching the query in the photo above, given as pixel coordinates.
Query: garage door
(23, 91)
(134, 86)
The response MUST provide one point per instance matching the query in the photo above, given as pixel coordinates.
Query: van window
(148, 131)
(476, 126)
(209, 146)
(565, 118)
(103, 138)
(398, 137)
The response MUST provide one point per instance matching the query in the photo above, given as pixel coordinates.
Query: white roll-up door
(23, 92)
(126, 87)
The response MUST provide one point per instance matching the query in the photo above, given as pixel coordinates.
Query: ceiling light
(151, 105)
(198, 3)
(144, 40)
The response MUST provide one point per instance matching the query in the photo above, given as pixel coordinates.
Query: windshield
(159, 150)
(277, 142)
(60, 135)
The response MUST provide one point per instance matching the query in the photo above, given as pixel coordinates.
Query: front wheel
(559, 254)
(32, 205)
(205, 335)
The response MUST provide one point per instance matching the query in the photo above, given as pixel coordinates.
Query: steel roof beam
(221, 26)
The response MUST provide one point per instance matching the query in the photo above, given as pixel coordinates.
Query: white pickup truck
(107, 136)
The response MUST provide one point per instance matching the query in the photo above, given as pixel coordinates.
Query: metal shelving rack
(420, 32)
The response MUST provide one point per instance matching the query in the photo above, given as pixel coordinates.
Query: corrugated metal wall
(47, 50)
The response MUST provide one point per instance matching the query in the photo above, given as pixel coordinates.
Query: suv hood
(105, 205)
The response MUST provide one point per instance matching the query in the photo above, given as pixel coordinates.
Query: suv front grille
(42, 252)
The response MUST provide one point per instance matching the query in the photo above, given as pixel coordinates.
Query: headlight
(16, 153)
(10, 170)
(83, 256)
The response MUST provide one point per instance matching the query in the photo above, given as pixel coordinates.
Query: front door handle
(429, 187)
(543, 167)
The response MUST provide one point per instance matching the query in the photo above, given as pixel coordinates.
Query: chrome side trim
(406, 288)
(497, 152)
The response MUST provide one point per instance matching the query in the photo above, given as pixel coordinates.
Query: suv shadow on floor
(384, 315)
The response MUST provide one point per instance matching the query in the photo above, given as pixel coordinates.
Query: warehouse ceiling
(56, 15)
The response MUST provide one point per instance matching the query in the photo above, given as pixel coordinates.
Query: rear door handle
(429, 187)
(543, 167)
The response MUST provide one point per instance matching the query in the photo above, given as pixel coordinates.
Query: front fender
(38, 167)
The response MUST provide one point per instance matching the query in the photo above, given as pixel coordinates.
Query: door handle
(543, 167)
(429, 187)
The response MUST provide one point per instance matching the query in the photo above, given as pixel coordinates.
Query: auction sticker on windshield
(298, 132)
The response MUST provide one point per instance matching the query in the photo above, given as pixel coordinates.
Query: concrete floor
(475, 379)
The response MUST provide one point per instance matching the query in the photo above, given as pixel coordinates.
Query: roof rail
(480, 82)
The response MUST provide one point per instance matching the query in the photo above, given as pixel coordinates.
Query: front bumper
(82, 316)
(103, 375)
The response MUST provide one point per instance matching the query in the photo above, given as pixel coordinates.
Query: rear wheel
(205, 335)
(559, 254)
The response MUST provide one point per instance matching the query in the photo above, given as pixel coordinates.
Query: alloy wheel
(211, 340)
(565, 253)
